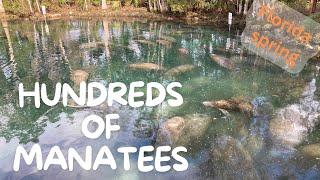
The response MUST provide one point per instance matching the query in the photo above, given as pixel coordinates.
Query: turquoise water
(50, 52)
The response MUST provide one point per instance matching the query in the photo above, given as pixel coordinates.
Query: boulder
(292, 123)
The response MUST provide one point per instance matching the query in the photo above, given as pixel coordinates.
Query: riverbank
(193, 18)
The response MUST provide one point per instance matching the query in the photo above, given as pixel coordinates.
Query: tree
(1, 7)
(246, 7)
(106, 38)
(38, 6)
(30, 6)
(313, 6)
(104, 4)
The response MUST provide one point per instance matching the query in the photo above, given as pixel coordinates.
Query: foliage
(21, 7)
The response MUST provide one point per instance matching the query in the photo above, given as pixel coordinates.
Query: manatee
(168, 38)
(179, 70)
(171, 130)
(230, 160)
(146, 66)
(184, 130)
(78, 76)
(91, 45)
(223, 62)
(311, 150)
(234, 104)
(164, 42)
(183, 51)
(147, 42)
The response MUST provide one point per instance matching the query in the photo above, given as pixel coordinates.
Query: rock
(235, 104)
(312, 150)
(292, 123)
(183, 131)
(223, 62)
(146, 66)
(183, 51)
(287, 127)
(79, 76)
(229, 160)
(179, 70)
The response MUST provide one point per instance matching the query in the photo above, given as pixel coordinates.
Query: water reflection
(102, 51)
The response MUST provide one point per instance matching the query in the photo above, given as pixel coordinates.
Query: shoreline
(132, 13)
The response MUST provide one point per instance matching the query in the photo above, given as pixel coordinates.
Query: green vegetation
(30, 7)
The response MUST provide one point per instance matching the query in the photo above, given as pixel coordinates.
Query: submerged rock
(229, 160)
(223, 62)
(291, 124)
(178, 131)
(146, 66)
(179, 70)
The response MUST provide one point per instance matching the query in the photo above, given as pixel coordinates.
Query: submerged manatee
(229, 159)
(223, 62)
(91, 45)
(168, 38)
(147, 42)
(164, 42)
(311, 150)
(179, 70)
(182, 131)
(79, 76)
(183, 51)
(234, 104)
(146, 66)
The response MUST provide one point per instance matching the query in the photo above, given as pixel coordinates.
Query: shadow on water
(102, 51)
